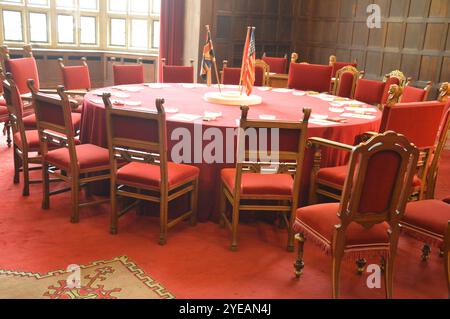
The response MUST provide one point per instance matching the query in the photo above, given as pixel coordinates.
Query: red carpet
(196, 262)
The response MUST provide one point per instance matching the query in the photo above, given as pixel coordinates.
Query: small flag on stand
(249, 63)
(208, 55)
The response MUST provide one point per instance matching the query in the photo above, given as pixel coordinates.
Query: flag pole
(247, 39)
(214, 61)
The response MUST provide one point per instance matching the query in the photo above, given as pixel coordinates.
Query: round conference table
(185, 107)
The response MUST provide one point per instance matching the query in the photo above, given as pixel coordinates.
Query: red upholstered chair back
(310, 77)
(22, 70)
(378, 184)
(137, 136)
(259, 76)
(339, 65)
(345, 82)
(277, 65)
(53, 112)
(419, 121)
(369, 91)
(128, 74)
(231, 76)
(412, 94)
(178, 74)
(14, 102)
(390, 81)
(76, 77)
(251, 154)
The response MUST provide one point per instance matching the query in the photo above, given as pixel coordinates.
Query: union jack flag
(249, 63)
(208, 56)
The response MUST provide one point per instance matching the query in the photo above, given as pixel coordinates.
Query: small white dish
(267, 117)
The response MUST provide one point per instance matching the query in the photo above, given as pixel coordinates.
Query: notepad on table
(358, 116)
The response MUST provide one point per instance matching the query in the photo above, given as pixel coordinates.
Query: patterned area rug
(118, 278)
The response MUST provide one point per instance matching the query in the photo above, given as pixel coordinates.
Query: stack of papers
(358, 116)
(323, 122)
(185, 117)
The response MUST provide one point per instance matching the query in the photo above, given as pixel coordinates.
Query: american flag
(208, 56)
(248, 69)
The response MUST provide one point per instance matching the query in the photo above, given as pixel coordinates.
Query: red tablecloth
(284, 105)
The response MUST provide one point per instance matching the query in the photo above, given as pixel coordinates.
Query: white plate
(336, 110)
(299, 93)
(282, 90)
(264, 88)
(267, 117)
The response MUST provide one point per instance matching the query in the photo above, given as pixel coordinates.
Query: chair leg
(26, 176)
(234, 226)
(194, 203)
(222, 207)
(114, 217)
(16, 166)
(299, 263)
(337, 261)
(8, 134)
(163, 216)
(75, 194)
(45, 187)
(290, 246)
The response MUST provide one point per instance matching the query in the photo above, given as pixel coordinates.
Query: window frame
(102, 32)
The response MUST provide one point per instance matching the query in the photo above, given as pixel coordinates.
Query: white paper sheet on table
(96, 101)
(358, 116)
(157, 85)
(353, 102)
(323, 122)
(185, 117)
(361, 109)
(129, 88)
(282, 90)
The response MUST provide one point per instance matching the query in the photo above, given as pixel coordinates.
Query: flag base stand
(232, 98)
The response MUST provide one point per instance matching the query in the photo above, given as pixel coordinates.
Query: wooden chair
(128, 73)
(277, 192)
(276, 64)
(394, 96)
(429, 221)
(413, 94)
(230, 76)
(310, 77)
(395, 77)
(339, 65)
(79, 165)
(77, 81)
(262, 71)
(345, 82)
(76, 77)
(329, 182)
(366, 221)
(429, 184)
(140, 169)
(4, 115)
(26, 143)
(177, 74)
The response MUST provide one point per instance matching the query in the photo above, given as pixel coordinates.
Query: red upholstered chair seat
(23, 70)
(369, 91)
(337, 175)
(128, 74)
(429, 215)
(260, 184)
(259, 76)
(231, 76)
(322, 219)
(277, 65)
(76, 77)
(148, 176)
(30, 121)
(412, 94)
(178, 74)
(32, 140)
(310, 77)
(89, 157)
